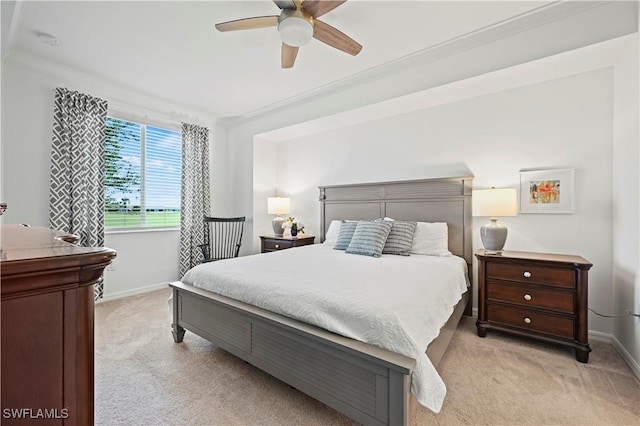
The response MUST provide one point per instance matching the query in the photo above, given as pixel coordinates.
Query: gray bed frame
(367, 383)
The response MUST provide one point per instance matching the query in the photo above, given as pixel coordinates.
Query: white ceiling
(171, 50)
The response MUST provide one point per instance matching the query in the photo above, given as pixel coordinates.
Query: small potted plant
(293, 226)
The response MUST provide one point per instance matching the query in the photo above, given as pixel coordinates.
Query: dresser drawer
(273, 245)
(530, 320)
(529, 296)
(528, 273)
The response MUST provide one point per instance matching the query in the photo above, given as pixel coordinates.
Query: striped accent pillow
(345, 234)
(400, 238)
(369, 238)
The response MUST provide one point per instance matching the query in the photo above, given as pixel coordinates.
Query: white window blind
(142, 178)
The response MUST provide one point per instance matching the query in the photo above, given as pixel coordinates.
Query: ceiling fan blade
(335, 38)
(289, 54)
(285, 4)
(248, 23)
(317, 8)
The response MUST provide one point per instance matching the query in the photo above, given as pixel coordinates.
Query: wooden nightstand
(272, 243)
(539, 295)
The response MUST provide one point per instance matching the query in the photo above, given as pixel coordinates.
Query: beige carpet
(144, 378)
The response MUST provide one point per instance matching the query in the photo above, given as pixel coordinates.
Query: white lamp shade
(295, 31)
(495, 202)
(278, 205)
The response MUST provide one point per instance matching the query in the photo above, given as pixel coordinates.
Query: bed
(363, 381)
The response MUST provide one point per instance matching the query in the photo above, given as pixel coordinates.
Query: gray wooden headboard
(428, 200)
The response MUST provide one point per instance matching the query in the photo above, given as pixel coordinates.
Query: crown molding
(531, 20)
(9, 35)
(145, 105)
(586, 59)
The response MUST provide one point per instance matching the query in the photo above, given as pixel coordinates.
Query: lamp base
(277, 226)
(494, 236)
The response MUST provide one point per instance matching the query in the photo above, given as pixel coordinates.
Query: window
(142, 176)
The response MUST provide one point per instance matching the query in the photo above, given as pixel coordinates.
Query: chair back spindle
(223, 237)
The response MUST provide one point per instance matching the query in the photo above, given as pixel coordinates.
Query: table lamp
(493, 203)
(278, 206)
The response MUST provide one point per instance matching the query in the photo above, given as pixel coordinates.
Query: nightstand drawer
(273, 245)
(530, 320)
(542, 295)
(530, 296)
(527, 273)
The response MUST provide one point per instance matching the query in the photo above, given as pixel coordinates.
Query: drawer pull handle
(527, 320)
(277, 245)
(527, 274)
(527, 297)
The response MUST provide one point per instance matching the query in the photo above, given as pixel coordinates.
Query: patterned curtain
(195, 197)
(76, 193)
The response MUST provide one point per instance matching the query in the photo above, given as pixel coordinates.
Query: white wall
(145, 259)
(561, 123)
(265, 182)
(626, 201)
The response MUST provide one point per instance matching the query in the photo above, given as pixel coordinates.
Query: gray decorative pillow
(400, 238)
(369, 238)
(345, 234)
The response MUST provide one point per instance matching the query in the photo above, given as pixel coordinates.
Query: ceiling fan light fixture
(295, 29)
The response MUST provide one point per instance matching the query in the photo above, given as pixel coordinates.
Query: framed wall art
(546, 191)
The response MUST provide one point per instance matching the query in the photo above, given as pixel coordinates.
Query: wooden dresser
(540, 295)
(47, 325)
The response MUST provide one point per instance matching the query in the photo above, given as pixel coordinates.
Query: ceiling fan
(297, 23)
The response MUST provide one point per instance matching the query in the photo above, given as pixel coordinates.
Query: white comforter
(395, 302)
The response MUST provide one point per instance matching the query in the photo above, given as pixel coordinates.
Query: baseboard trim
(632, 363)
(599, 336)
(613, 340)
(134, 292)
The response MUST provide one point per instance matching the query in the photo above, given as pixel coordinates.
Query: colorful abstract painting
(547, 191)
(544, 191)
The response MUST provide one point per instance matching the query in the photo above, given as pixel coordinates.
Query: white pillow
(431, 239)
(332, 233)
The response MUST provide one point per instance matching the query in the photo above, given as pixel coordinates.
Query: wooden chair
(223, 237)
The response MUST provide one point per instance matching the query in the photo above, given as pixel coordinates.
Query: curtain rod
(142, 112)
(150, 114)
